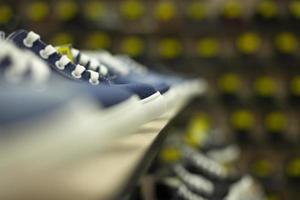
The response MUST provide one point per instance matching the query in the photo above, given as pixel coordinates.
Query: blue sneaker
(17, 65)
(194, 87)
(121, 75)
(20, 66)
(63, 65)
(179, 91)
(108, 95)
(153, 102)
(26, 104)
(157, 103)
(182, 89)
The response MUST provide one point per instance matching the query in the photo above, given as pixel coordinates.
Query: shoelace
(227, 155)
(108, 60)
(132, 64)
(89, 62)
(203, 162)
(186, 194)
(23, 62)
(194, 181)
(63, 61)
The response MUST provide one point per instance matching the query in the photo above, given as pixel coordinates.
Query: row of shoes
(206, 173)
(59, 103)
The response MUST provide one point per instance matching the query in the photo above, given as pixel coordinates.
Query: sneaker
(122, 73)
(195, 163)
(199, 163)
(152, 100)
(117, 69)
(185, 86)
(155, 104)
(174, 189)
(20, 64)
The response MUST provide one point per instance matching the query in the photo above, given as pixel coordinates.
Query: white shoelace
(132, 64)
(94, 64)
(185, 193)
(109, 60)
(49, 50)
(206, 163)
(22, 62)
(194, 181)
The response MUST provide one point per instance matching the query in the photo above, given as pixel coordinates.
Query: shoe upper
(107, 95)
(65, 67)
(119, 72)
(23, 67)
(141, 89)
(59, 63)
(18, 103)
(191, 86)
(151, 76)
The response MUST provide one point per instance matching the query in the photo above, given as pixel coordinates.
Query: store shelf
(111, 174)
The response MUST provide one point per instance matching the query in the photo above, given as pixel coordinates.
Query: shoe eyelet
(77, 76)
(43, 55)
(94, 82)
(27, 44)
(58, 65)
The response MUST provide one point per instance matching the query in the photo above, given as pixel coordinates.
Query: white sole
(195, 87)
(186, 91)
(154, 106)
(171, 98)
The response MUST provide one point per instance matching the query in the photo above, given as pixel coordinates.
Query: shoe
(168, 77)
(174, 189)
(185, 88)
(19, 64)
(156, 104)
(103, 123)
(127, 69)
(199, 163)
(194, 163)
(63, 66)
(123, 74)
(117, 69)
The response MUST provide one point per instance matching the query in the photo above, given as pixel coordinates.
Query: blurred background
(248, 51)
